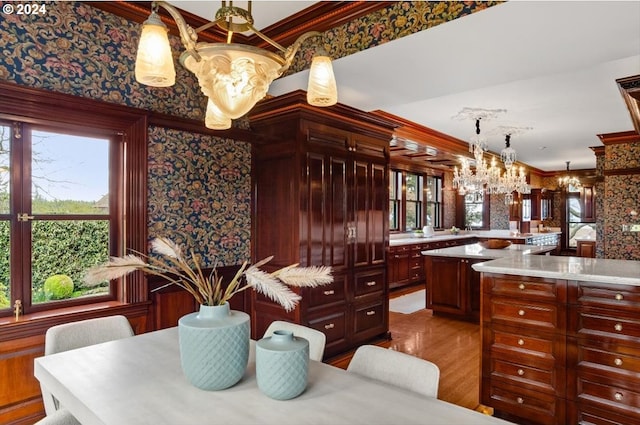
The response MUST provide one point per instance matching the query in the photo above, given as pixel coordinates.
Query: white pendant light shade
(235, 75)
(215, 119)
(154, 62)
(322, 90)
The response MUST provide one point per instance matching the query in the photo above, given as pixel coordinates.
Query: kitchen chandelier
(568, 181)
(232, 76)
(489, 178)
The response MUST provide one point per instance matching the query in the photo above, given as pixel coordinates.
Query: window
(395, 197)
(56, 218)
(474, 210)
(51, 157)
(434, 201)
(412, 202)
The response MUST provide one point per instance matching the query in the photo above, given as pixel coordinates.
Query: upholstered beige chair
(396, 368)
(317, 339)
(76, 335)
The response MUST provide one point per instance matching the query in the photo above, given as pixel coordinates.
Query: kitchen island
(453, 287)
(561, 339)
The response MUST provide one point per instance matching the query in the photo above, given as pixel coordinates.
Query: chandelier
(232, 76)
(489, 178)
(568, 181)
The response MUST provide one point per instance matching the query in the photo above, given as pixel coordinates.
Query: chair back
(317, 339)
(396, 368)
(79, 334)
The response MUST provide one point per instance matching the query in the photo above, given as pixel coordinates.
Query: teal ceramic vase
(214, 346)
(282, 365)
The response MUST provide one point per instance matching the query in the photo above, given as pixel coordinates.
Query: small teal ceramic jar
(282, 365)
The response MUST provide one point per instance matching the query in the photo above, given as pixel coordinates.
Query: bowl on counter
(495, 244)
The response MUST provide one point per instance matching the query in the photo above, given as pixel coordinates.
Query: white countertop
(446, 235)
(625, 272)
(477, 251)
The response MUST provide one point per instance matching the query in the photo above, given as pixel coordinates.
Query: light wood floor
(453, 345)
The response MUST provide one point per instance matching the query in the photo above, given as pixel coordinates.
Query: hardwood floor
(453, 345)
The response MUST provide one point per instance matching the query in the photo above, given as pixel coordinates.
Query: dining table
(139, 380)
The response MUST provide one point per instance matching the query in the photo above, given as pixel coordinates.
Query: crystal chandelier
(569, 181)
(232, 76)
(489, 178)
(508, 154)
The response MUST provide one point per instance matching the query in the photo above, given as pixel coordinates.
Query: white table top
(477, 251)
(626, 272)
(139, 380)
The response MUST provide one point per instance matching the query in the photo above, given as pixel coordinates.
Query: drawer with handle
(592, 324)
(619, 297)
(541, 379)
(369, 282)
(524, 287)
(541, 315)
(333, 292)
(607, 395)
(624, 362)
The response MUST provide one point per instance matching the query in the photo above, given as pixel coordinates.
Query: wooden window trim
(42, 107)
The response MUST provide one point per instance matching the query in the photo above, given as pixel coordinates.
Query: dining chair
(396, 368)
(73, 335)
(317, 339)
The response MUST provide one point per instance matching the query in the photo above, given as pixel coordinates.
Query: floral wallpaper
(396, 21)
(199, 194)
(621, 196)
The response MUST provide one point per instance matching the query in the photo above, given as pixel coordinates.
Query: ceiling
(551, 65)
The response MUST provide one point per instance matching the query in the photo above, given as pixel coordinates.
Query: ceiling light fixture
(489, 179)
(568, 181)
(508, 154)
(232, 76)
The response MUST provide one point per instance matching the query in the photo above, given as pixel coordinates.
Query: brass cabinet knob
(618, 362)
(329, 292)
(329, 326)
(521, 341)
(520, 400)
(520, 312)
(619, 297)
(521, 286)
(618, 327)
(520, 372)
(618, 396)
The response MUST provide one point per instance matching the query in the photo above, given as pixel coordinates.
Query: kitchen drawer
(533, 350)
(619, 297)
(624, 363)
(536, 407)
(596, 391)
(333, 292)
(540, 379)
(527, 287)
(541, 315)
(367, 316)
(585, 414)
(594, 323)
(369, 282)
(332, 324)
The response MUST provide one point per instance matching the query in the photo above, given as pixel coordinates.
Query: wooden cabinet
(536, 204)
(523, 349)
(398, 268)
(604, 331)
(320, 185)
(453, 287)
(560, 352)
(586, 248)
(588, 204)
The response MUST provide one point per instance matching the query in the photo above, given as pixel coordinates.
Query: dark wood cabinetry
(320, 188)
(558, 351)
(588, 204)
(453, 287)
(586, 248)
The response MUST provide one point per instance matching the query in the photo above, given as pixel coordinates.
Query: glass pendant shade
(154, 62)
(322, 90)
(234, 76)
(214, 119)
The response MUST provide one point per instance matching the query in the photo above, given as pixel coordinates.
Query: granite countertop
(446, 236)
(477, 251)
(435, 238)
(626, 272)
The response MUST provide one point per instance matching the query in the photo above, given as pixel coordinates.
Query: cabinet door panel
(443, 289)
